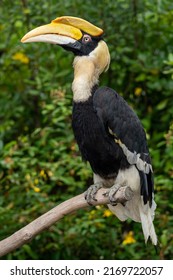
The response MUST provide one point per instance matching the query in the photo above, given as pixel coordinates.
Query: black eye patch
(84, 46)
(88, 44)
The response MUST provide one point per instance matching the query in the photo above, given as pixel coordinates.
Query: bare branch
(28, 232)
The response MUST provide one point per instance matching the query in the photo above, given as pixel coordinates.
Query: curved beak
(62, 31)
(53, 33)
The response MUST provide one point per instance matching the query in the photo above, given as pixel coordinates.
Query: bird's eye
(86, 39)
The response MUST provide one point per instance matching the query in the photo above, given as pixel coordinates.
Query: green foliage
(39, 160)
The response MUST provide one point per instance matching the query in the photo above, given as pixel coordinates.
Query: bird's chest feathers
(94, 144)
(86, 125)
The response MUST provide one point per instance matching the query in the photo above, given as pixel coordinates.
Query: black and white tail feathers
(135, 208)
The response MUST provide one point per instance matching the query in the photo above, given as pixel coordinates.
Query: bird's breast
(94, 144)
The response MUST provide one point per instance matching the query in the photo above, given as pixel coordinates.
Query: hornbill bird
(108, 132)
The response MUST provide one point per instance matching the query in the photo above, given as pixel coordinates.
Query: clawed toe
(111, 194)
(91, 193)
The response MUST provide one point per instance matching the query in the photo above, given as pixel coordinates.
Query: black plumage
(92, 119)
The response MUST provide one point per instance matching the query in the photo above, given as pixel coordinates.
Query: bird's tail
(146, 217)
(138, 212)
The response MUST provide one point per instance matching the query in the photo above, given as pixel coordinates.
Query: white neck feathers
(87, 70)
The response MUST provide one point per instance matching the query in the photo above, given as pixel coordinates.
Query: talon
(112, 193)
(113, 201)
(91, 193)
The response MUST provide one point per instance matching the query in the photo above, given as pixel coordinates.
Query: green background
(40, 165)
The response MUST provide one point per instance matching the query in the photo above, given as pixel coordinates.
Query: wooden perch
(28, 232)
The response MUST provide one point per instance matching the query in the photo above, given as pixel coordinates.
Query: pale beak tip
(22, 40)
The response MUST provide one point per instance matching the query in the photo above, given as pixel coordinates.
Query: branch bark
(42, 223)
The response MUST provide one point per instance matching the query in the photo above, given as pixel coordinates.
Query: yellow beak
(62, 31)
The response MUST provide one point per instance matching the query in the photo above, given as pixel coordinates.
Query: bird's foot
(91, 192)
(111, 193)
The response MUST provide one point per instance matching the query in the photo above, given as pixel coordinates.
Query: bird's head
(76, 35)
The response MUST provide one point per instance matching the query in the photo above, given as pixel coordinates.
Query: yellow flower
(21, 57)
(27, 177)
(42, 173)
(107, 213)
(36, 181)
(50, 173)
(138, 91)
(129, 239)
(36, 189)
